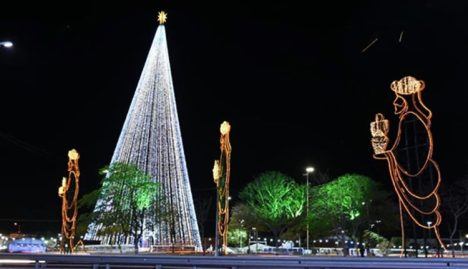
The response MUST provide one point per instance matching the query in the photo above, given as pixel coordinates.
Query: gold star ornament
(162, 17)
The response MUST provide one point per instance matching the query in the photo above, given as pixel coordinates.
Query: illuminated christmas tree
(151, 140)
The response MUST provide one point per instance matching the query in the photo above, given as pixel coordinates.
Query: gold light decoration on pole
(420, 207)
(68, 191)
(221, 176)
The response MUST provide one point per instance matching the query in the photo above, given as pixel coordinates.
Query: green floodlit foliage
(276, 201)
(128, 192)
(372, 238)
(344, 196)
(237, 237)
(341, 205)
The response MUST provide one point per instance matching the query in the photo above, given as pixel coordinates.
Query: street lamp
(463, 244)
(6, 44)
(377, 225)
(255, 235)
(19, 227)
(429, 223)
(309, 170)
(240, 233)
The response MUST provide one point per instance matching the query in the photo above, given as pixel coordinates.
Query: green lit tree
(240, 223)
(237, 237)
(275, 200)
(125, 196)
(382, 243)
(341, 199)
(348, 205)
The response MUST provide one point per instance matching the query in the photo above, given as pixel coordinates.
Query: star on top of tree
(162, 17)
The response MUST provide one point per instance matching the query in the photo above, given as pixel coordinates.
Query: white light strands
(151, 139)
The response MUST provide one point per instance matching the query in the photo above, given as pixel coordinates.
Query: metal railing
(221, 262)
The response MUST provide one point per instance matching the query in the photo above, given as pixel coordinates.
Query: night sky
(292, 80)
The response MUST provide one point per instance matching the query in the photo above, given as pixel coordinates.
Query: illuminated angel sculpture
(69, 194)
(414, 173)
(221, 176)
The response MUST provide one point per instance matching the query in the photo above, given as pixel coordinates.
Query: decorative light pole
(69, 194)
(308, 171)
(221, 176)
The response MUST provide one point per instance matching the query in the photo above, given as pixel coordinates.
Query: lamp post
(461, 244)
(309, 170)
(221, 176)
(19, 227)
(377, 222)
(255, 235)
(466, 236)
(429, 223)
(68, 191)
(240, 233)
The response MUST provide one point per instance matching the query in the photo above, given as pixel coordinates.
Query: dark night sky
(291, 80)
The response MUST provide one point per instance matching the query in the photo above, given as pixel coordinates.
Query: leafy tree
(341, 199)
(382, 243)
(125, 196)
(240, 223)
(348, 204)
(276, 201)
(237, 237)
(87, 204)
(242, 216)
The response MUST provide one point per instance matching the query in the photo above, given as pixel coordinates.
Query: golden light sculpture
(68, 191)
(379, 131)
(409, 106)
(221, 176)
(162, 17)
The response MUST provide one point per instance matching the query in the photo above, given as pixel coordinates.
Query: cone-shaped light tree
(151, 139)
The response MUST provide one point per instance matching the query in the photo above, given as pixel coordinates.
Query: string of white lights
(151, 139)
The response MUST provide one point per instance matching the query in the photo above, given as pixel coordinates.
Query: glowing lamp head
(60, 192)
(310, 169)
(225, 128)
(62, 189)
(73, 155)
(216, 171)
